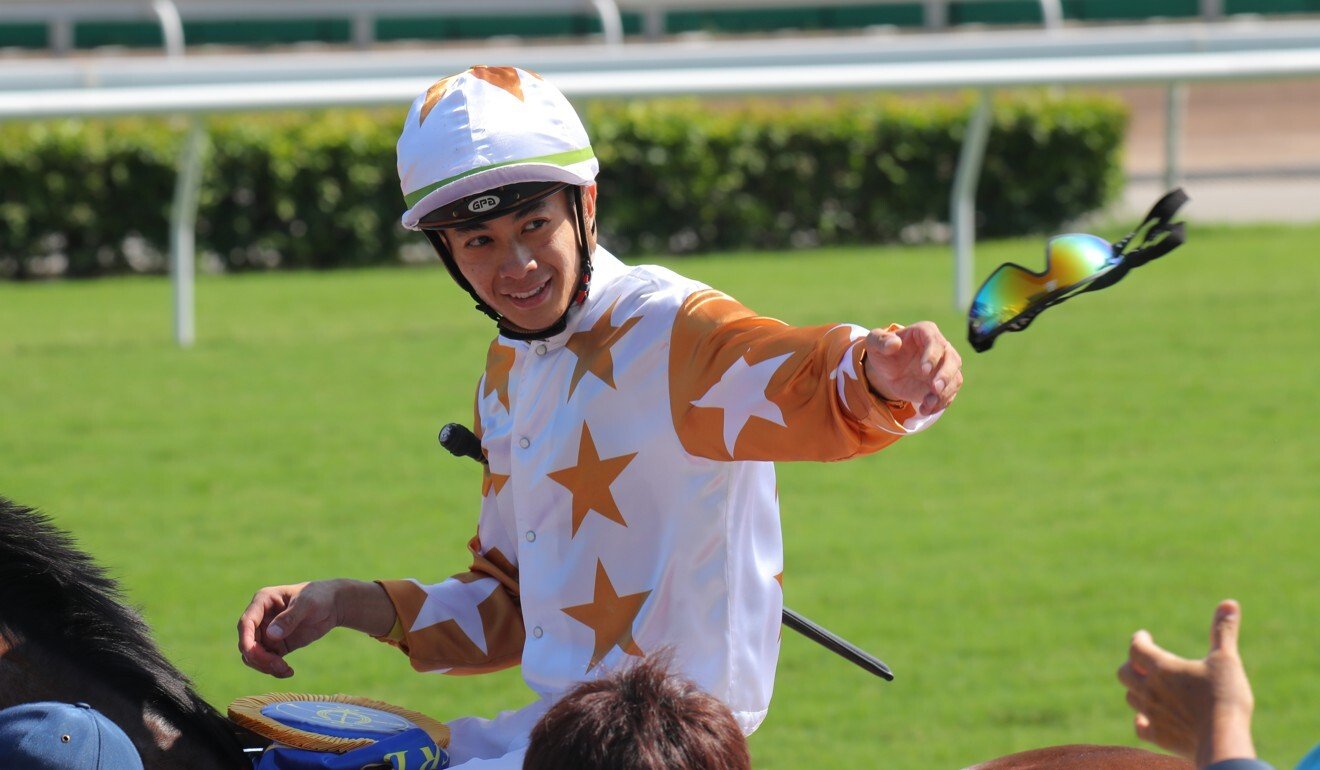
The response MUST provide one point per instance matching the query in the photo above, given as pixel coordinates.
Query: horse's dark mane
(54, 595)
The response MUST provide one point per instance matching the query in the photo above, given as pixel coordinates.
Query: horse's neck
(28, 673)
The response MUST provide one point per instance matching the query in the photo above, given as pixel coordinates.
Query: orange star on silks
(610, 616)
(499, 362)
(590, 480)
(501, 77)
(592, 348)
(434, 94)
(491, 480)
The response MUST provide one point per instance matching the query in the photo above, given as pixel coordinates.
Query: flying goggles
(1012, 297)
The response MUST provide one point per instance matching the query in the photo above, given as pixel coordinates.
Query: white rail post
(363, 29)
(962, 202)
(610, 21)
(653, 22)
(171, 27)
(1051, 14)
(183, 238)
(1175, 102)
(59, 35)
(183, 213)
(1212, 10)
(935, 14)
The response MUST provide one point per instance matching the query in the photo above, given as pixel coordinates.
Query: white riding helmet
(487, 142)
(485, 128)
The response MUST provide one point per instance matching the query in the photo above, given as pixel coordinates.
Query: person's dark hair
(639, 718)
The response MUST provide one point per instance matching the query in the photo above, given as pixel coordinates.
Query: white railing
(691, 55)
(60, 16)
(788, 79)
(271, 87)
(934, 13)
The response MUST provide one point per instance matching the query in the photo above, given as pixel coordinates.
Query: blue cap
(1311, 761)
(63, 736)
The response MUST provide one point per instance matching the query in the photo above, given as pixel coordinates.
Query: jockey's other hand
(281, 619)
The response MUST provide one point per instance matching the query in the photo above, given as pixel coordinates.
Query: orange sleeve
(747, 387)
(468, 624)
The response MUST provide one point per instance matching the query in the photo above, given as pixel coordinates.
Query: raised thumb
(1224, 630)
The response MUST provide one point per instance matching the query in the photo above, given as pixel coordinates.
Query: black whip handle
(461, 442)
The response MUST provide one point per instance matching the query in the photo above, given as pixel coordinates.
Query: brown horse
(1085, 757)
(66, 635)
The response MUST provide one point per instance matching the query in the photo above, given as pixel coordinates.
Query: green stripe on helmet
(557, 159)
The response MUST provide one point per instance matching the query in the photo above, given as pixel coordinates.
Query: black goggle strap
(1156, 236)
(584, 248)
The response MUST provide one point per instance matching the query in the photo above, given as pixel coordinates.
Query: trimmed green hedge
(298, 191)
(775, 175)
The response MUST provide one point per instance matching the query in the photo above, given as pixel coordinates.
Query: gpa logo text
(484, 203)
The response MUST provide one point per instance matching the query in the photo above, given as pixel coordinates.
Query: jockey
(509, 142)
(629, 418)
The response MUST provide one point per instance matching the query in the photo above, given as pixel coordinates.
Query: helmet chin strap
(579, 292)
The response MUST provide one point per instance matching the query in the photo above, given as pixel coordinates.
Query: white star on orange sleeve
(846, 366)
(741, 394)
(457, 601)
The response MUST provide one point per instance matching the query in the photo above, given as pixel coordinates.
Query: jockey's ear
(589, 193)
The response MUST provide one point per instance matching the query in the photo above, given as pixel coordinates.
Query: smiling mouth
(529, 297)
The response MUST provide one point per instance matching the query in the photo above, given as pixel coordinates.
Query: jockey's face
(525, 264)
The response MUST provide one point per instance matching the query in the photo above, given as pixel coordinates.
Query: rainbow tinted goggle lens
(1012, 297)
(1005, 299)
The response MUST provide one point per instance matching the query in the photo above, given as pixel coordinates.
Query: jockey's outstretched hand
(281, 619)
(914, 364)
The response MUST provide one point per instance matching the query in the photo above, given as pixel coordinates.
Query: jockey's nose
(517, 261)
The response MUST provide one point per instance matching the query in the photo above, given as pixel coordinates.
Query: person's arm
(748, 387)
(281, 619)
(1200, 709)
(469, 624)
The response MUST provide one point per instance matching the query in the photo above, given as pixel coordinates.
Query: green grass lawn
(1135, 456)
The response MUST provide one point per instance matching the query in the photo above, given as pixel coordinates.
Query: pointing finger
(1145, 655)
